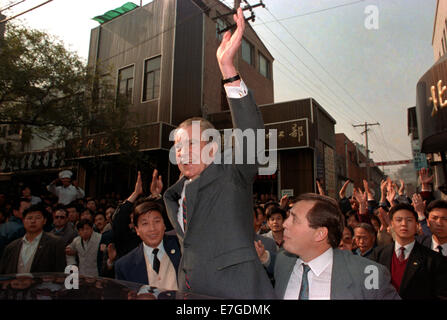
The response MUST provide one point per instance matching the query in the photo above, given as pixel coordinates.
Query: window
(264, 66)
(220, 25)
(125, 82)
(247, 51)
(151, 82)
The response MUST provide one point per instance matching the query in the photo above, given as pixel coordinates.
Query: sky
(322, 49)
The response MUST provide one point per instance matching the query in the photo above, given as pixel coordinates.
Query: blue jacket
(132, 266)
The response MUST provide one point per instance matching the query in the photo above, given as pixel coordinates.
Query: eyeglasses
(59, 217)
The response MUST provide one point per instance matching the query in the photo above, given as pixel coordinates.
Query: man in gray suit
(210, 206)
(312, 267)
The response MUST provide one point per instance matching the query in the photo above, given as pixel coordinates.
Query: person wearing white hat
(69, 191)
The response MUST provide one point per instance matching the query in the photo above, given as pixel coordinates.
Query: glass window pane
(263, 66)
(247, 51)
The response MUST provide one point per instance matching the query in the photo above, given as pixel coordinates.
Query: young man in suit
(86, 248)
(416, 271)
(312, 267)
(217, 261)
(437, 223)
(37, 251)
(155, 261)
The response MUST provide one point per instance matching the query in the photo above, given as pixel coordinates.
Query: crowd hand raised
(419, 205)
(138, 189)
(156, 183)
(391, 194)
(69, 251)
(284, 202)
(367, 190)
(383, 187)
(402, 187)
(229, 48)
(362, 199)
(342, 192)
(384, 218)
(320, 188)
(260, 250)
(425, 179)
(111, 252)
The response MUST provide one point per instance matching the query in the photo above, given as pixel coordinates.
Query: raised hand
(402, 187)
(391, 194)
(362, 199)
(320, 188)
(260, 250)
(367, 190)
(138, 189)
(284, 202)
(419, 205)
(383, 187)
(157, 183)
(425, 179)
(229, 47)
(342, 192)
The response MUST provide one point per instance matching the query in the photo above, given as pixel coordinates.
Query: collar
(320, 263)
(36, 239)
(435, 243)
(407, 247)
(148, 250)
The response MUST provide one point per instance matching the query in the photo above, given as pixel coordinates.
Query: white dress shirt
(434, 246)
(148, 252)
(66, 195)
(319, 278)
(29, 248)
(407, 251)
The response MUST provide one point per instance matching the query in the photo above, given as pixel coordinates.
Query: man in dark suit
(155, 261)
(210, 207)
(37, 251)
(416, 271)
(312, 267)
(437, 223)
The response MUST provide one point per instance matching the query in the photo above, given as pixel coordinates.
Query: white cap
(65, 174)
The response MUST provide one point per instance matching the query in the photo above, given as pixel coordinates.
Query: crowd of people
(206, 234)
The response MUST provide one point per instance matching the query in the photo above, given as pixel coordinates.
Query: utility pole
(365, 125)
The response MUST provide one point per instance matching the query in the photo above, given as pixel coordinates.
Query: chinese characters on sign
(291, 134)
(437, 97)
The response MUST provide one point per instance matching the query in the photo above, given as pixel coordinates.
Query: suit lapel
(41, 247)
(171, 197)
(341, 281)
(140, 268)
(284, 272)
(414, 262)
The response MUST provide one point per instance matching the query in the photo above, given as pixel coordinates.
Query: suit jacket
(132, 267)
(67, 234)
(87, 255)
(425, 275)
(49, 256)
(348, 278)
(218, 253)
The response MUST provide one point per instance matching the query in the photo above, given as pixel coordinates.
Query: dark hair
(84, 222)
(100, 213)
(145, 207)
(350, 230)
(402, 206)
(24, 187)
(437, 204)
(72, 205)
(35, 208)
(325, 213)
(60, 208)
(255, 210)
(372, 217)
(351, 213)
(16, 203)
(276, 210)
(368, 227)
